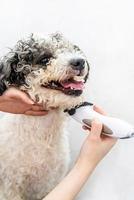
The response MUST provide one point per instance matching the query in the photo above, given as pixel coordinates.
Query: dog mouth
(69, 86)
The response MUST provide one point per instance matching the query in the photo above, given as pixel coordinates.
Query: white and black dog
(34, 151)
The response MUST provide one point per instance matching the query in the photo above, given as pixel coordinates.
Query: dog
(34, 151)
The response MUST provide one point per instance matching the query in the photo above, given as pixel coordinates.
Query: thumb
(96, 128)
(99, 110)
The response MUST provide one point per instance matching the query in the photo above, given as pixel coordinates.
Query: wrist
(84, 165)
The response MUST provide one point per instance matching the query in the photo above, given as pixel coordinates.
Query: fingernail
(88, 122)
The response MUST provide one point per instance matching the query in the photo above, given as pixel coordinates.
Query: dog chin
(55, 98)
(74, 93)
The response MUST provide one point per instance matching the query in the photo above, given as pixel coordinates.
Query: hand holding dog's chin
(17, 102)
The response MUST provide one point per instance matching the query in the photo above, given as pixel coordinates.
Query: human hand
(96, 145)
(18, 102)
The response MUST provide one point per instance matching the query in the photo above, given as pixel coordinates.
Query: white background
(105, 31)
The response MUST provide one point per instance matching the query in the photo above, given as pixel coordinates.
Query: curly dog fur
(34, 151)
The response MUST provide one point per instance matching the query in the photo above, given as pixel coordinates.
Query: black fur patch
(73, 110)
(20, 61)
(17, 75)
(73, 92)
(5, 71)
(86, 77)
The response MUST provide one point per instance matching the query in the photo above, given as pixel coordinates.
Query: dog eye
(43, 60)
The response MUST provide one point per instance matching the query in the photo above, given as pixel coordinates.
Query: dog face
(51, 70)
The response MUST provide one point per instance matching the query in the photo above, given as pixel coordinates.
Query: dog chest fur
(35, 155)
(34, 151)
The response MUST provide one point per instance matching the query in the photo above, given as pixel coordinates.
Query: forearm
(72, 183)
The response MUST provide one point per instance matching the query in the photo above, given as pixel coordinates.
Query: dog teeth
(78, 78)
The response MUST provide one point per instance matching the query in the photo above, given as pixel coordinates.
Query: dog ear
(87, 75)
(18, 69)
(10, 73)
(5, 71)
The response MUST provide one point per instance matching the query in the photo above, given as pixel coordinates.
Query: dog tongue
(77, 85)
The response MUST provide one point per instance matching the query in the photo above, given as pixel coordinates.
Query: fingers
(37, 108)
(96, 128)
(86, 128)
(96, 125)
(112, 140)
(26, 105)
(36, 113)
(99, 110)
(25, 98)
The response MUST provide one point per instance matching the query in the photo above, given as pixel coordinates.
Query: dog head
(51, 70)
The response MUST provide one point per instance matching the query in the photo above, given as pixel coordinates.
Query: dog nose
(77, 64)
